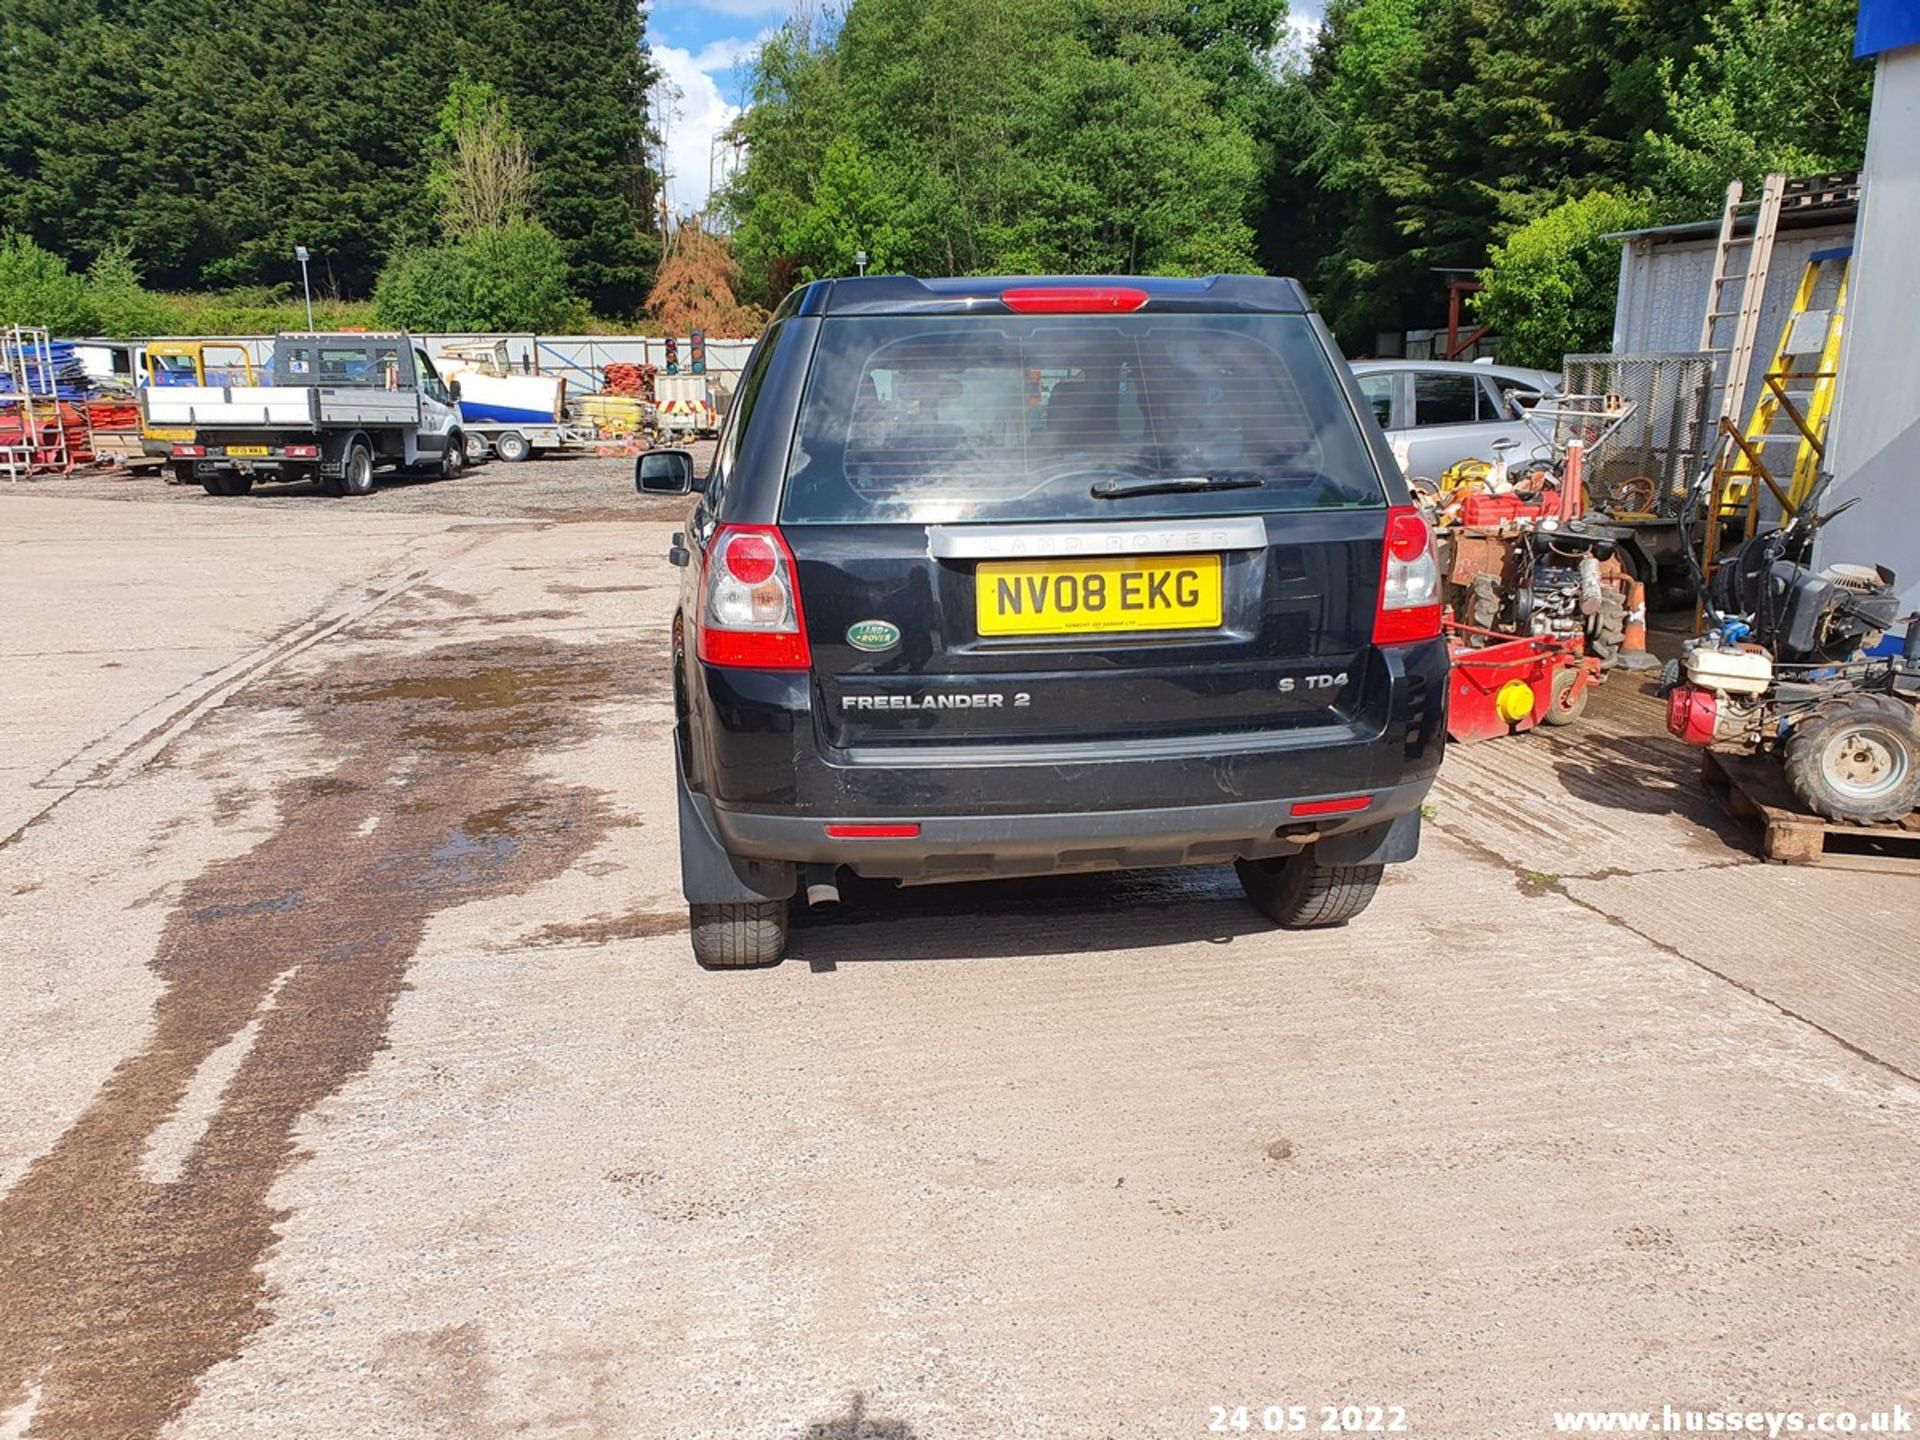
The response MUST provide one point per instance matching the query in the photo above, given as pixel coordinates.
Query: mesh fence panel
(1663, 442)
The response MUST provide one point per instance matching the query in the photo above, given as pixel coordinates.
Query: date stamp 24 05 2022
(1286, 1419)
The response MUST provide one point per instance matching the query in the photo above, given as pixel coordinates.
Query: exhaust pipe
(821, 889)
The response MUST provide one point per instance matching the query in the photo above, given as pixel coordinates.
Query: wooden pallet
(1752, 787)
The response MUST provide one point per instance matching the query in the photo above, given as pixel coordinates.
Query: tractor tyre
(1857, 760)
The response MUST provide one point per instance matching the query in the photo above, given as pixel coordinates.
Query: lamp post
(860, 261)
(300, 254)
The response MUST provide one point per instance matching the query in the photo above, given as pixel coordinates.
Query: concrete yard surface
(361, 1083)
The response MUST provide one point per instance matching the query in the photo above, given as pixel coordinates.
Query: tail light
(1409, 606)
(1692, 714)
(189, 452)
(303, 452)
(750, 616)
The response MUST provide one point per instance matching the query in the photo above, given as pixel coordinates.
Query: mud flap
(1390, 844)
(711, 876)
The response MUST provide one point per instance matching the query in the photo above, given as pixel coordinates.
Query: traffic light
(673, 356)
(697, 353)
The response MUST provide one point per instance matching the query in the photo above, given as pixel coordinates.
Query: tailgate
(229, 406)
(1226, 628)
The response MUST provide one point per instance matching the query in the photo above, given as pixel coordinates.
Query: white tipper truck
(339, 405)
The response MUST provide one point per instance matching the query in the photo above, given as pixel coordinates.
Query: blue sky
(701, 46)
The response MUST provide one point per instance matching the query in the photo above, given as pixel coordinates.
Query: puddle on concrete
(118, 1293)
(604, 929)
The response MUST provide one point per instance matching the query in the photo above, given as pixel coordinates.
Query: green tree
(962, 136)
(576, 73)
(37, 288)
(1550, 288)
(513, 277)
(122, 307)
(1420, 133)
(796, 110)
(213, 136)
(1774, 87)
(481, 173)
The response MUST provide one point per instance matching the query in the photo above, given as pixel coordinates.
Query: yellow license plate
(248, 450)
(1113, 593)
(157, 433)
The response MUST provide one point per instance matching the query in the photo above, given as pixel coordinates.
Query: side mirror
(664, 472)
(453, 391)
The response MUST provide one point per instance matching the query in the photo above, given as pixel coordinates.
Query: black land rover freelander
(998, 577)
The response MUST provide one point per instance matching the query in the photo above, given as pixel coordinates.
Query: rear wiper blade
(1172, 485)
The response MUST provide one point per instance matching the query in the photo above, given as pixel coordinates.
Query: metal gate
(1648, 466)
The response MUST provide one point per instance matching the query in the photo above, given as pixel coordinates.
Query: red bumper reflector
(1346, 805)
(1074, 300)
(872, 832)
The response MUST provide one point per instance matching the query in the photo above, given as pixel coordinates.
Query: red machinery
(1540, 602)
(1509, 683)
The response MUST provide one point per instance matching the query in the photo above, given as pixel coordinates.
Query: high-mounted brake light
(1409, 606)
(750, 616)
(1074, 300)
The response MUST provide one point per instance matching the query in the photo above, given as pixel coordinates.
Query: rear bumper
(962, 847)
(752, 747)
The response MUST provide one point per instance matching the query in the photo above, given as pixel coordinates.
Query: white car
(1439, 412)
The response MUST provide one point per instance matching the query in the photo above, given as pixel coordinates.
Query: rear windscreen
(375, 364)
(1004, 417)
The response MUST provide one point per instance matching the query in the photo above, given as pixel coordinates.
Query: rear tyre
(1564, 703)
(1858, 761)
(358, 479)
(238, 485)
(739, 936)
(1297, 894)
(512, 447)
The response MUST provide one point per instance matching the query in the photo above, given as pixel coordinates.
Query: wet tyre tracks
(118, 1292)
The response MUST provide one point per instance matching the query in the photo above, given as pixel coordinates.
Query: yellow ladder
(1798, 386)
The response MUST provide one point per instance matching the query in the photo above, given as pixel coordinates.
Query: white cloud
(691, 120)
(1295, 50)
(717, 56)
(743, 9)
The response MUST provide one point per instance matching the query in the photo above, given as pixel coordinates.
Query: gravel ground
(360, 1083)
(571, 487)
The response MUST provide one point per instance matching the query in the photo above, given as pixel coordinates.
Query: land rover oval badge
(873, 635)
